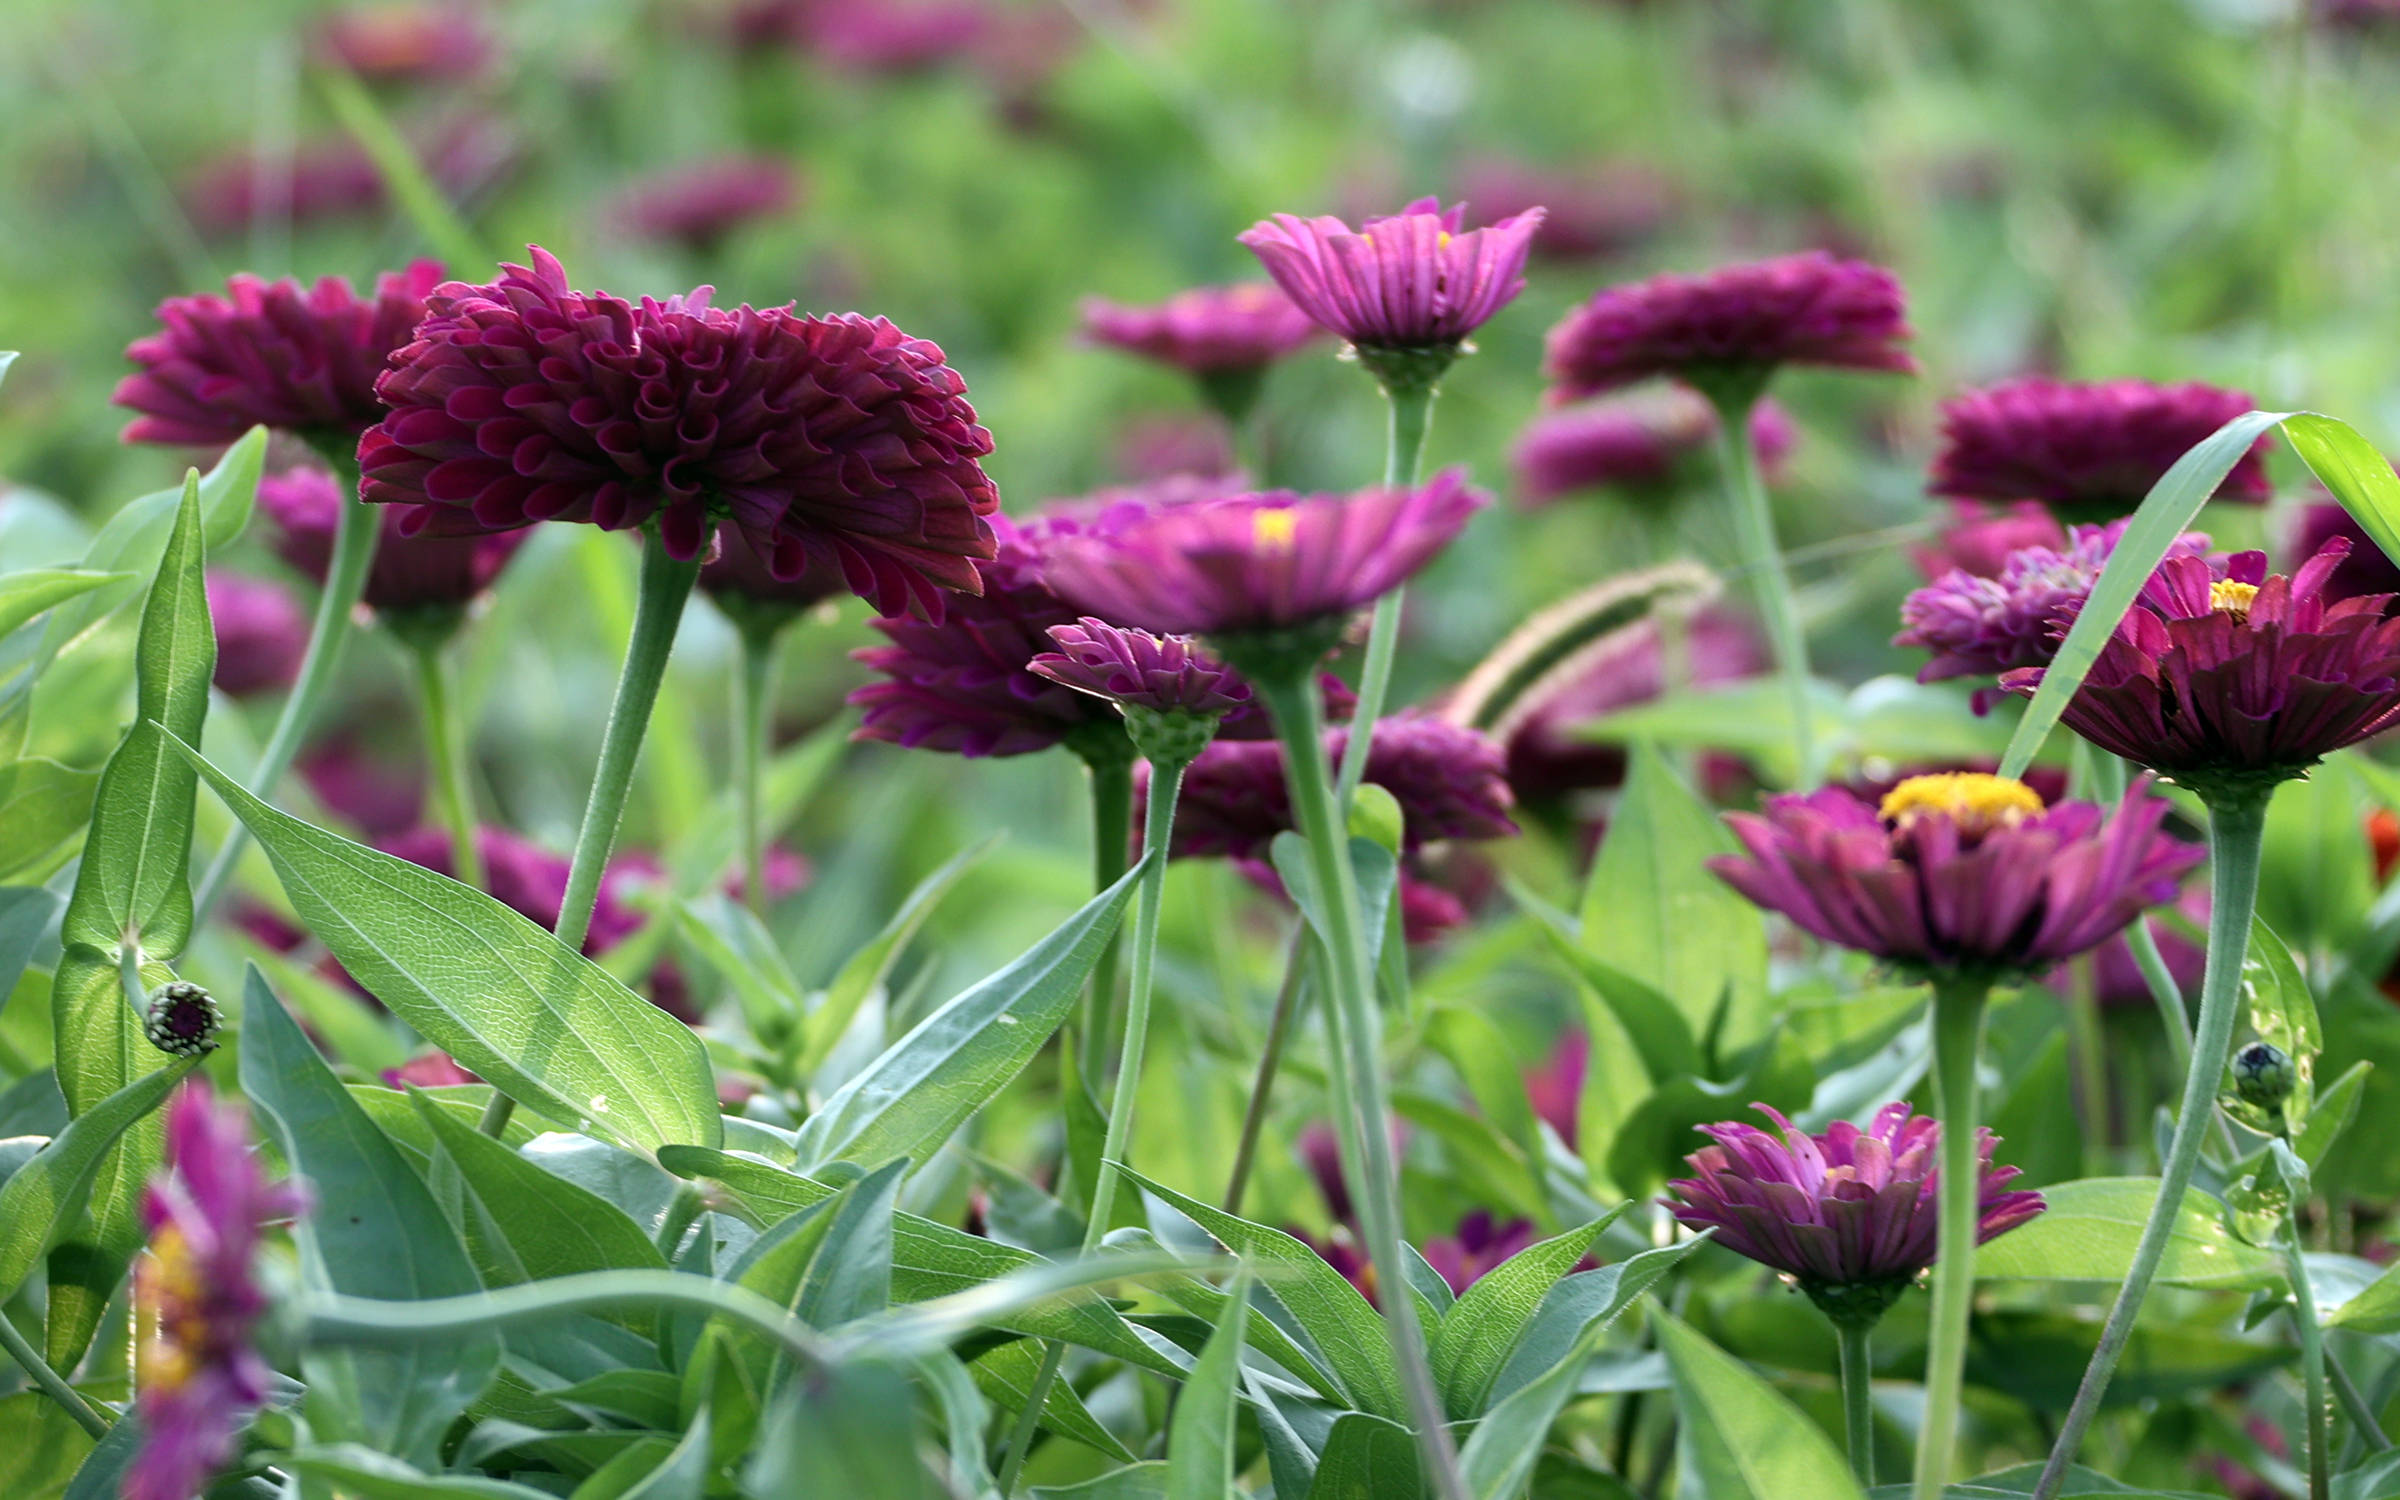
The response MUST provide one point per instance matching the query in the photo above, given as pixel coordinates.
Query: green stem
(1770, 579)
(2091, 1063)
(753, 690)
(1358, 1061)
(355, 532)
(52, 1384)
(2312, 1363)
(666, 586)
(1112, 832)
(1858, 1396)
(1403, 455)
(2109, 778)
(2356, 1407)
(446, 751)
(1958, 1007)
(2236, 826)
(1288, 998)
(1029, 1418)
(1166, 780)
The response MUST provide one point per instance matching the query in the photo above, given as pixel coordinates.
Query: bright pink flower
(1417, 279)
(1207, 330)
(698, 204)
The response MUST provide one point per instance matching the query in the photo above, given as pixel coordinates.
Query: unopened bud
(183, 1019)
(2264, 1075)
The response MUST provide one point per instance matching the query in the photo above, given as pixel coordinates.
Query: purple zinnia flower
(1445, 777)
(699, 203)
(2231, 684)
(1163, 674)
(1850, 1214)
(1586, 213)
(1416, 280)
(198, 1379)
(2365, 571)
(1206, 331)
(2088, 451)
(409, 572)
(1986, 626)
(1736, 324)
(743, 586)
(419, 43)
(1638, 444)
(1981, 538)
(262, 633)
(1260, 562)
(835, 437)
(1958, 871)
(302, 359)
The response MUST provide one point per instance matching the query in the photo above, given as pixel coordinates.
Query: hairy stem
(446, 754)
(2319, 1426)
(1958, 1008)
(1112, 832)
(1858, 1397)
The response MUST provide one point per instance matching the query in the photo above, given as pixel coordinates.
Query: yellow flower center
(1441, 241)
(1976, 802)
(2229, 597)
(1275, 528)
(166, 1292)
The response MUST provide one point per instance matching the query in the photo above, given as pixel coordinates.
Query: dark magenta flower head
(890, 36)
(262, 633)
(407, 43)
(1446, 778)
(1259, 563)
(2365, 571)
(1849, 1214)
(1981, 538)
(1587, 212)
(2230, 684)
(698, 204)
(1958, 872)
(1977, 626)
(1638, 445)
(198, 1376)
(2089, 451)
(1415, 283)
(1208, 330)
(750, 594)
(836, 437)
(409, 572)
(301, 359)
(1734, 327)
(1168, 674)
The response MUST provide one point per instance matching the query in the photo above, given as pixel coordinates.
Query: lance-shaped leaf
(42, 805)
(1200, 1463)
(27, 594)
(44, 1196)
(1481, 1331)
(1741, 1439)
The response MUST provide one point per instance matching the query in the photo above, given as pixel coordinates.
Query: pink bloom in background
(1738, 323)
(378, 787)
(301, 359)
(1636, 444)
(2117, 980)
(1416, 279)
(889, 36)
(1168, 447)
(1162, 674)
(836, 438)
(2089, 451)
(429, 1070)
(697, 204)
(1555, 1088)
(409, 572)
(2366, 570)
(1206, 330)
(1587, 212)
(1479, 1245)
(1981, 538)
(262, 634)
(407, 43)
(464, 156)
(1445, 777)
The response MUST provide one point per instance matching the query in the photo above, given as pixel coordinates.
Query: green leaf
(509, 1001)
(102, 1476)
(1367, 1458)
(1659, 1132)
(45, 1447)
(366, 1474)
(1205, 1301)
(1740, 1439)
(1007, 1374)
(27, 594)
(1662, 1037)
(1143, 1481)
(2333, 1112)
(1377, 872)
(2090, 1229)
(850, 1276)
(682, 1475)
(1482, 1330)
(373, 1230)
(849, 1432)
(26, 915)
(737, 945)
(908, 1101)
(2163, 516)
(42, 805)
(538, 1224)
(1501, 1452)
(2359, 476)
(1200, 1462)
(695, 861)
(2283, 1012)
(42, 1199)
(865, 971)
(1579, 1309)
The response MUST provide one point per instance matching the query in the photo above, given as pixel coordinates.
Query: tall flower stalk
(1958, 1010)
(446, 753)
(1762, 558)
(1403, 456)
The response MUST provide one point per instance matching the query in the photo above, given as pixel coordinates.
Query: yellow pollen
(1976, 802)
(2232, 598)
(1441, 241)
(1275, 529)
(166, 1288)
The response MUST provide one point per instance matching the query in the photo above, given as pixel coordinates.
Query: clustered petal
(1206, 330)
(1637, 444)
(1164, 674)
(1981, 538)
(837, 437)
(1413, 280)
(2088, 451)
(408, 571)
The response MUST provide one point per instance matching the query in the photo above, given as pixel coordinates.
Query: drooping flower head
(2088, 451)
(301, 359)
(1850, 1214)
(1637, 445)
(1446, 778)
(1406, 290)
(1985, 626)
(262, 633)
(408, 573)
(1587, 212)
(834, 437)
(1732, 328)
(198, 1377)
(1170, 690)
(1981, 538)
(698, 204)
(408, 43)
(1958, 872)
(2231, 684)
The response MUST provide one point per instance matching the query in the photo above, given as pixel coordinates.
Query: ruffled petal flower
(1638, 445)
(2088, 451)
(1446, 778)
(1207, 330)
(409, 572)
(1133, 668)
(698, 204)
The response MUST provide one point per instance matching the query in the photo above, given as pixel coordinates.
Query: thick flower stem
(1270, 1062)
(446, 754)
(52, 1384)
(2110, 778)
(1958, 1007)
(1112, 832)
(1858, 1396)
(2236, 826)
(2312, 1364)
(1358, 1061)
(1762, 558)
(355, 533)
(1403, 456)
(666, 586)
(752, 690)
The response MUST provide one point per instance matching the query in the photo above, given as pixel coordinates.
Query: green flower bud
(2264, 1075)
(183, 1019)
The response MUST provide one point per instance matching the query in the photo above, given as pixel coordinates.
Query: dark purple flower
(2231, 684)
(742, 584)
(890, 36)
(408, 43)
(1418, 279)
(835, 437)
(198, 1378)
(2358, 15)
(1849, 1214)
(1981, 538)
(2088, 451)
(1738, 323)
(1555, 1088)
(1586, 212)
(1207, 330)
(262, 633)
(1548, 757)
(1958, 872)
(302, 359)
(1981, 627)
(1480, 1244)
(1637, 444)
(409, 572)
(698, 204)
(1164, 674)
(1445, 777)
(1261, 562)
(2365, 571)
(338, 179)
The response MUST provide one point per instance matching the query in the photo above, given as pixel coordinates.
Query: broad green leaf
(27, 594)
(918, 1328)
(1740, 1438)
(1367, 1458)
(1376, 871)
(1481, 1331)
(1656, 1135)
(850, 1277)
(867, 969)
(2359, 476)
(2090, 1229)
(1142, 1481)
(731, 939)
(373, 1230)
(2283, 1012)
(684, 1473)
(1506, 1443)
(1501, 1169)
(42, 1199)
(545, 1225)
(2333, 1112)
(1662, 1035)
(1205, 1301)
(850, 1431)
(1007, 1374)
(45, 1447)
(1200, 1436)
(363, 1473)
(1579, 1309)
(2376, 1309)
(26, 915)
(102, 1476)
(620, 1475)
(909, 1101)
(2164, 514)
(2376, 1479)
(509, 1001)
(1479, 1051)
(965, 1416)
(42, 805)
